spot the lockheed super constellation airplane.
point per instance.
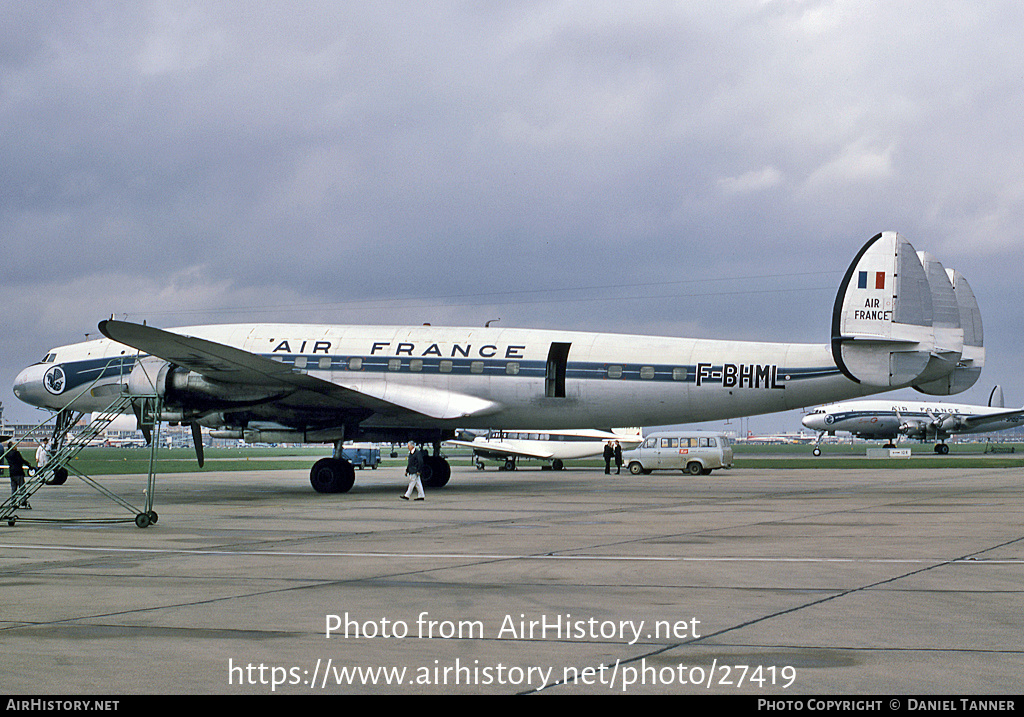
(922, 420)
(899, 320)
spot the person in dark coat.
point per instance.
(16, 465)
(609, 453)
(618, 458)
(412, 471)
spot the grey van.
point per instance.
(692, 452)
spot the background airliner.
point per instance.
(899, 319)
(556, 447)
(922, 420)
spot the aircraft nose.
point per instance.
(28, 387)
(812, 421)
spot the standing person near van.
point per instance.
(609, 453)
(412, 471)
(618, 458)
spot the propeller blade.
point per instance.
(147, 430)
(197, 441)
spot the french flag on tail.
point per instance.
(862, 279)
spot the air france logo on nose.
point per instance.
(55, 380)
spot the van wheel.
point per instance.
(693, 468)
(636, 469)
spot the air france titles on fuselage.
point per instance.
(411, 349)
(407, 349)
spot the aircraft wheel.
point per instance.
(332, 475)
(436, 472)
(557, 464)
(941, 448)
(816, 451)
(510, 465)
(60, 476)
(142, 520)
(694, 468)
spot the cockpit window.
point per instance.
(49, 358)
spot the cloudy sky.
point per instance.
(682, 168)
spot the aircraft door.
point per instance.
(554, 377)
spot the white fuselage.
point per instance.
(506, 377)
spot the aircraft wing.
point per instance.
(227, 364)
(499, 448)
(977, 421)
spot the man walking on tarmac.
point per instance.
(412, 471)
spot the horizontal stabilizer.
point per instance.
(882, 322)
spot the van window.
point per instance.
(708, 443)
(669, 442)
(650, 443)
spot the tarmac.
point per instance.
(776, 583)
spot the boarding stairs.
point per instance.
(68, 445)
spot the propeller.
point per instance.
(907, 427)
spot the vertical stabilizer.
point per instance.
(995, 398)
(972, 358)
(882, 322)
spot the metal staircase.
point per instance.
(68, 445)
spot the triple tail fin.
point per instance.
(899, 320)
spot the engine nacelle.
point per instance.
(913, 429)
(186, 389)
(149, 377)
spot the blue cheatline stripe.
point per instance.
(81, 372)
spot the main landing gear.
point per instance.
(337, 475)
(332, 475)
(941, 448)
(436, 471)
